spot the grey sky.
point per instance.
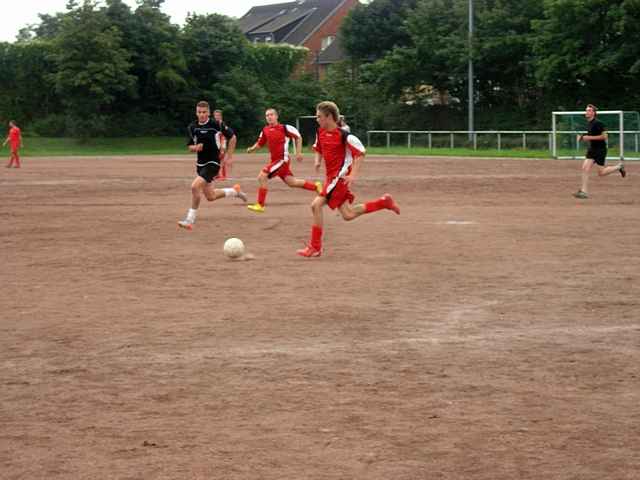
(24, 12)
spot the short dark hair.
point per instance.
(203, 104)
(271, 109)
(217, 110)
(593, 107)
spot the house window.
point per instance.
(326, 41)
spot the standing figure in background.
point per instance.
(15, 143)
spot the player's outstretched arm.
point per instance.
(298, 146)
(355, 170)
(231, 148)
(317, 161)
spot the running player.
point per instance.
(227, 164)
(15, 142)
(597, 151)
(277, 136)
(343, 153)
(208, 143)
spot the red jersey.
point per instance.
(338, 153)
(277, 137)
(14, 136)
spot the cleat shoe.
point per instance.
(318, 187)
(390, 204)
(241, 195)
(256, 207)
(187, 224)
(581, 194)
(309, 252)
(623, 172)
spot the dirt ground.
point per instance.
(491, 331)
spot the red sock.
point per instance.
(309, 186)
(316, 237)
(262, 195)
(374, 206)
(17, 161)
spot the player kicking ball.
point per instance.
(277, 137)
(208, 143)
(343, 154)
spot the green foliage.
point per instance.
(92, 69)
(105, 68)
(372, 30)
(587, 50)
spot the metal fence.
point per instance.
(496, 139)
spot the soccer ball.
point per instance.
(234, 248)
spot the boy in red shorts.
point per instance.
(343, 154)
(15, 142)
(277, 136)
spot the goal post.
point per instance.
(623, 128)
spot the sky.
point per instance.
(24, 12)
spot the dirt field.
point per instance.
(491, 331)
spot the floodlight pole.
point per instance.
(470, 101)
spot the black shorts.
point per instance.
(208, 171)
(599, 156)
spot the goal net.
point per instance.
(623, 129)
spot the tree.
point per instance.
(369, 31)
(212, 45)
(92, 68)
(586, 51)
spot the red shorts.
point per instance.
(278, 169)
(338, 193)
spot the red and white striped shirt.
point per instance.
(338, 154)
(277, 137)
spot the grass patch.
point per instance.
(38, 147)
(41, 147)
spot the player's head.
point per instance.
(591, 112)
(202, 111)
(271, 115)
(217, 115)
(12, 123)
(327, 114)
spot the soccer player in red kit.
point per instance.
(277, 136)
(343, 154)
(15, 142)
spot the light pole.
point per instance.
(470, 86)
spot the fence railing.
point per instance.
(502, 139)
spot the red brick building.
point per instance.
(313, 24)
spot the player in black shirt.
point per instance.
(596, 139)
(227, 164)
(208, 142)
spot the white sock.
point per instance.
(229, 192)
(191, 214)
